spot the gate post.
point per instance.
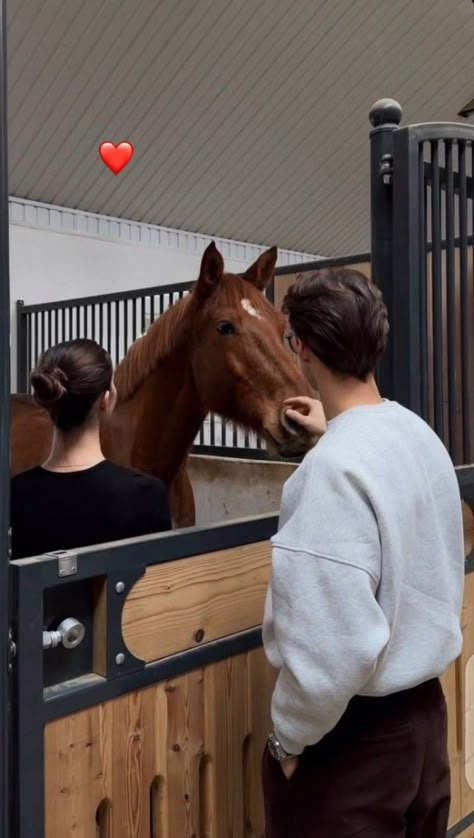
(6, 783)
(385, 116)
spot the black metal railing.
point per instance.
(422, 180)
(116, 321)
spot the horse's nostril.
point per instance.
(292, 428)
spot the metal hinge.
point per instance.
(11, 650)
(67, 562)
(386, 169)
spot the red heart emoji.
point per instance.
(116, 157)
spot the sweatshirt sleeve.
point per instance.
(327, 631)
(323, 627)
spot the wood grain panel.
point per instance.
(218, 594)
(169, 761)
(451, 685)
(466, 693)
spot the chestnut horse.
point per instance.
(220, 349)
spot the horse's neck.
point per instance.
(154, 430)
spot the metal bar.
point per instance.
(408, 250)
(101, 323)
(134, 319)
(125, 327)
(445, 176)
(71, 329)
(212, 429)
(109, 329)
(465, 317)
(21, 348)
(437, 299)
(56, 326)
(451, 303)
(109, 298)
(143, 315)
(117, 331)
(385, 117)
(6, 785)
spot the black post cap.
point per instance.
(385, 112)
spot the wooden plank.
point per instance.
(450, 684)
(466, 694)
(180, 604)
(468, 523)
(261, 678)
(74, 777)
(184, 754)
(226, 732)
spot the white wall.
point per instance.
(57, 253)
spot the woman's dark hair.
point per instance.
(68, 380)
(340, 315)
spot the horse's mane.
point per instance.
(156, 345)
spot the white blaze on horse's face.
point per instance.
(247, 305)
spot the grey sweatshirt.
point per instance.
(368, 570)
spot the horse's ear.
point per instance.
(210, 274)
(261, 272)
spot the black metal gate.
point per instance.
(422, 180)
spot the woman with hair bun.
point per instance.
(77, 497)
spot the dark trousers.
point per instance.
(382, 772)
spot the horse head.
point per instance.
(241, 367)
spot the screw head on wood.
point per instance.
(119, 659)
(199, 635)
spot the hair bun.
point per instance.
(49, 385)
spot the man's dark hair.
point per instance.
(340, 315)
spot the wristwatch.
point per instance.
(276, 749)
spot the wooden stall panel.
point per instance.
(176, 760)
(466, 694)
(451, 685)
(181, 604)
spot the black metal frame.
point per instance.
(5, 597)
(123, 561)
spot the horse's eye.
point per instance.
(226, 329)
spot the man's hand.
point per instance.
(308, 413)
(289, 766)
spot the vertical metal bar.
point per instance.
(6, 784)
(21, 348)
(408, 249)
(101, 323)
(437, 297)
(464, 302)
(134, 319)
(63, 324)
(37, 350)
(78, 322)
(43, 331)
(385, 116)
(143, 315)
(117, 332)
(71, 329)
(109, 330)
(223, 431)
(451, 302)
(213, 429)
(49, 317)
(152, 309)
(423, 293)
(56, 326)
(125, 327)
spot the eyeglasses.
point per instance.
(293, 343)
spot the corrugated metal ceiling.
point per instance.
(249, 119)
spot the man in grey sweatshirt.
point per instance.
(363, 608)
